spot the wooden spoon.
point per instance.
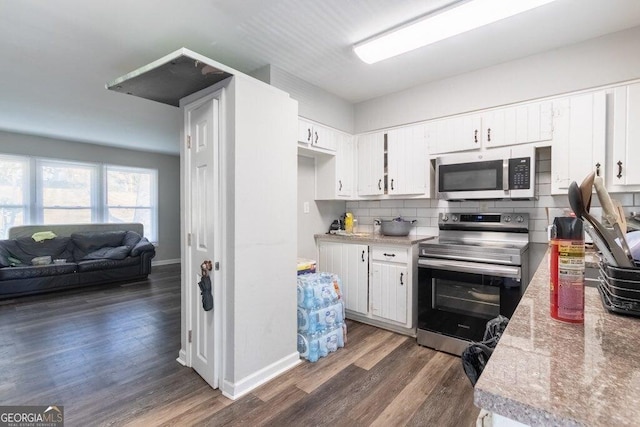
(586, 188)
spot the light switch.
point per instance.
(305, 207)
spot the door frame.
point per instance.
(190, 289)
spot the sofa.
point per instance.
(46, 258)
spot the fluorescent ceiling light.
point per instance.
(432, 28)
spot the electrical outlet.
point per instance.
(305, 207)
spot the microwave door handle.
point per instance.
(505, 174)
(471, 267)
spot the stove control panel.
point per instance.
(493, 221)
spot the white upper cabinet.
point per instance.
(518, 125)
(314, 135)
(579, 139)
(408, 164)
(623, 166)
(460, 133)
(370, 149)
(335, 171)
(345, 165)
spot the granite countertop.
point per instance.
(374, 238)
(547, 372)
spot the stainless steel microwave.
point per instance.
(507, 173)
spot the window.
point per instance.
(130, 196)
(66, 193)
(14, 192)
(45, 191)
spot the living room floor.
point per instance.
(108, 355)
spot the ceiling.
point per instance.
(58, 55)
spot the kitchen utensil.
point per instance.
(586, 188)
(621, 216)
(611, 214)
(396, 226)
(613, 254)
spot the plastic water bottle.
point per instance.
(314, 348)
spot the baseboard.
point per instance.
(182, 358)
(236, 390)
(166, 262)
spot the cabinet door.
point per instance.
(345, 163)
(350, 262)
(456, 134)
(407, 160)
(324, 138)
(626, 136)
(305, 131)
(579, 140)
(370, 155)
(518, 125)
(389, 284)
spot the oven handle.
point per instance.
(471, 267)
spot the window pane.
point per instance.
(126, 188)
(66, 216)
(13, 175)
(142, 215)
(66, 185)
(10, 217)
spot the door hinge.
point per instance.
(188, 141)
(189, 239)
(189, 336)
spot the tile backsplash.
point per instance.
(541, 211)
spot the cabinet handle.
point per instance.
(339, 185)
(309, 135)
(379, 184)
(362, 256)
(489, 135)
(475, 136)
(401, 282)
(316, 137)
(619, 169)
(391, 255)
(392, 184)
(598, 169)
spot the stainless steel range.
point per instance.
(476, 269)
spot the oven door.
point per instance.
(457, 298)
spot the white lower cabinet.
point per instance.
(351, 263)
(390, 284)
(379, 282)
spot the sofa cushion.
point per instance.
(8, 273)
(104, 264)
(131, 238)
(143, 246)
(121, 252)
(22, 250)
(85, 243)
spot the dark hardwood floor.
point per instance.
(108, 355)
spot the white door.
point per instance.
(203, 129)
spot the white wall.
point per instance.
(261, 245)
(609, 59)
(314, 103)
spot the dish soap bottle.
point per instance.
(348, 222)
(567, 270)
